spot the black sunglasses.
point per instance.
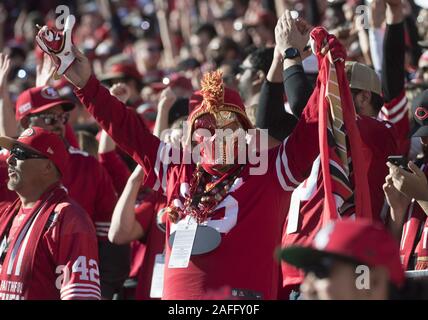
(23, 154)
(52, 119)
(322, 269)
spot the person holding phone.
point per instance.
(406, 192)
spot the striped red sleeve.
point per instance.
(396, 112)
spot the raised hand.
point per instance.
(291, 33)
(79, 71)
(396, 200)
(121, 91)
(167, 98)
(44, 71)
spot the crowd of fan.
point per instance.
(152, 55)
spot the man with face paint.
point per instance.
(222, 202)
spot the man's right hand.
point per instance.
(79, 71)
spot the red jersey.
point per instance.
(397, 113)
(65, 261)
(153, 241)
(308, 199)
(249, 219)
(90, 185)
(116, 168)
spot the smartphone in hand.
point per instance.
(399, 161)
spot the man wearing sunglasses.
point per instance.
(349, 259)
(85, 179)
(44, 235)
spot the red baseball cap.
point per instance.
(174, 80)
(359, 241)
(43, 142)
(122, 70)
(38, 99)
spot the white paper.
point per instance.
(183, 243)
(156, 288)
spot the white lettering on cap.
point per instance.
(24, 108)
(27, 133)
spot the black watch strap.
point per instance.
(291, 53)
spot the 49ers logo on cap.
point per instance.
(49, 93)
(27, 133)
(421, 113)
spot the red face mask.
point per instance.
(217, 148)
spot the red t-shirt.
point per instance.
(116, 168)
(250, 218)
(90, 185)
(66, 258)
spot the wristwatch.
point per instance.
(291, 53)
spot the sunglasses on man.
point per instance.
(52, 119)
(20, 153)
(323, 268)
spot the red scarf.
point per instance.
(338, 184)
(19, 260)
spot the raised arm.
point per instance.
(123, 124)
(166, 101)
(107, 155)
(271, 114)
(124, 226)
(393, 51)
(395, 108)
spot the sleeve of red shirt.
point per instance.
(128, 130)
(71, 137)
(396, 112)
(75, 254)
(116, 168)
(296, 154)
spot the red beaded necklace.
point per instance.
(205, 193)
